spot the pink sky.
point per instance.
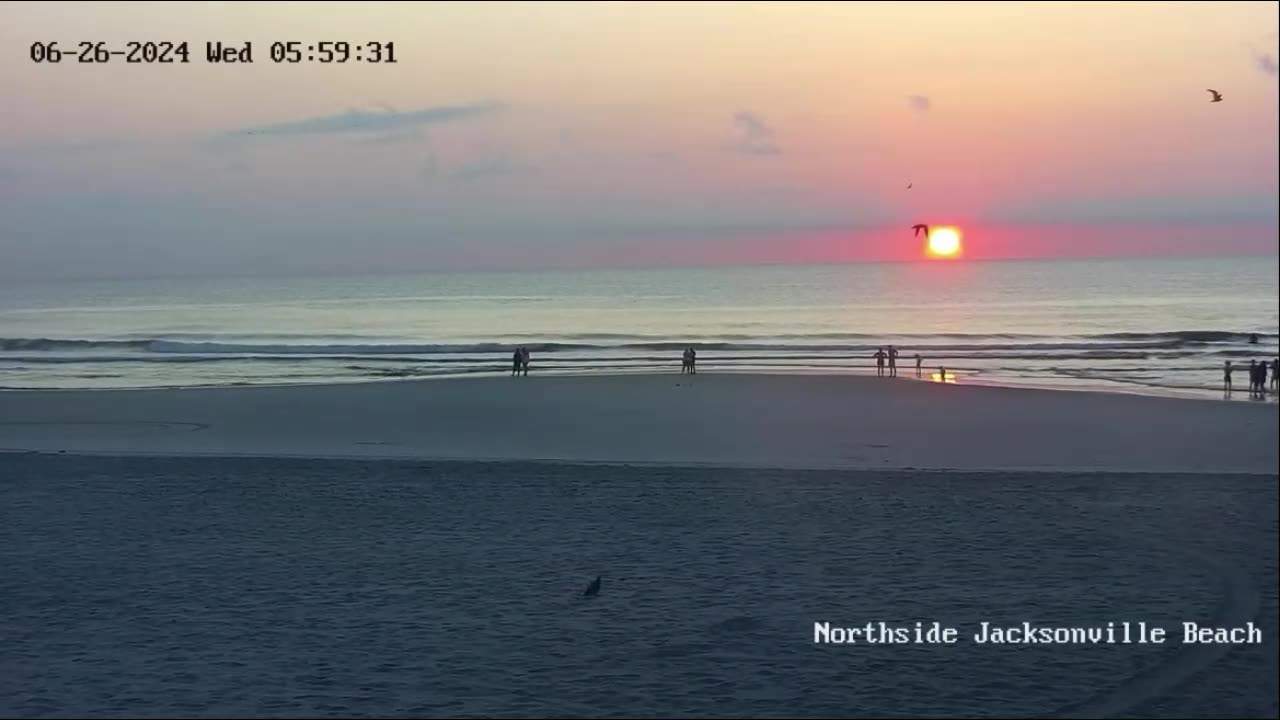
(560, 134)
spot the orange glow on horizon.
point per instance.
(945, 243)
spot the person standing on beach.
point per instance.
(516, 362)
(1275, 365)
(693, 361)
(684, 362)
(1253, 377)
(1226, 377)
(524, 360)
(879, 362)
(919, 362)
(893, 361)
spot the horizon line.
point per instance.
(647, 267)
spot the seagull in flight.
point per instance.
(1217, 96)
(920, 227)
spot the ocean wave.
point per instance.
(1190, 336)
(855, 343)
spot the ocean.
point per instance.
(1162, 326)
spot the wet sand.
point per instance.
(780, 421)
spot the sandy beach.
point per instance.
(781, 421)
(254, 587)
(338, 551)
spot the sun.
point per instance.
(944, 242)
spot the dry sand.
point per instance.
(783, 421)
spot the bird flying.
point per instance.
(1217, 96)
(920, 227)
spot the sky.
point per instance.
(566, 135)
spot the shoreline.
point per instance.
(717, 420)
(970, 379)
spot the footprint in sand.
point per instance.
(1240, 605)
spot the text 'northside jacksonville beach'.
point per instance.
(1026, 633)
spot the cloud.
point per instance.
(395, 137)
(490, 167)
(356, 121)
(919, 103)
(430, 168)
(1156, 208)
(757, 137)
(1266, 62)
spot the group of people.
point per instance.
(520, 361)
(891, 357)
(690, 363)
(1257, 377)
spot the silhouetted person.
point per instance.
(942, 374)
(919, 362)
(1275, 366)
(893, 361)
(1253, 376)
(693, 361)
(1226, 377)
(517, 360)
(524, 361)
(880, 355)
(684, 362)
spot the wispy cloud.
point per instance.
(919, 103)
(490, 167)
(757, 137)
(1266, 62)
(358, 121)
(395, 137)
(430, 168)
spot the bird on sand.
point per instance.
(1217, 96)
(920, 227)
(593, 589)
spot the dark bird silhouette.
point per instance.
(1217, 96)
(909, 185)
(920, 227)
(593, 589)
